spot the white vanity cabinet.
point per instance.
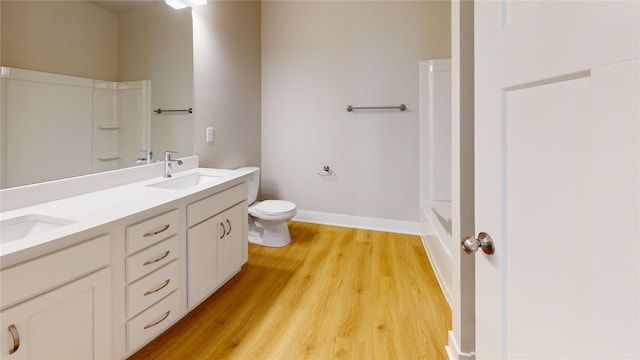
(216, 241)
(137, 259)
(71, 318)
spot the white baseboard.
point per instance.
(453, 350)
(395, 226)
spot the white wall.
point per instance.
(226, 53)
(317, 58)
(63, 37)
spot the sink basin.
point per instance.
(23, 226)
(186, 181)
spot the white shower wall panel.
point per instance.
(134, 113)
(435, 130)
(42, 144)
(440, 131)
(104, 114)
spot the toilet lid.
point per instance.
(275, 207)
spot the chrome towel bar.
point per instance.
(160, 111)
(402, 107)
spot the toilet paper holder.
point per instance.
(326, 171)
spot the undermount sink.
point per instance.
(186, 181)
(23, 226)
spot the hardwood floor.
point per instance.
(333, 293)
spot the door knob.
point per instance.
(484, 241)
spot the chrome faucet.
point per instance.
(148, 157)
(167, 162)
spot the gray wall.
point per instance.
(226, 67)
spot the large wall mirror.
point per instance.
(80, 83)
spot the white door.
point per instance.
(557, 149)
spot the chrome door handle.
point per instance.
(484, 242)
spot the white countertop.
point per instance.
(101, 207)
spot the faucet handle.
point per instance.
(167, 155)
(148, 157)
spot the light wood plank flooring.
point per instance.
(333, 293)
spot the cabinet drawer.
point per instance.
(207, 207)
(150, 231)
(42, 274)
(150, 259)
(148, 290)
(153, 321)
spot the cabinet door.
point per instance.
(202, 252)
(69, 322)
(233, 245)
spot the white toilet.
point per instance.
(267, 219)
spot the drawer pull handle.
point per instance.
(149, 262)
(16, 338)
(158, 289)
(229, 231)
(224, 230)
(157, 231)
(166, 315)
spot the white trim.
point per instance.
(440, 260)
(453, 350)
(395, 226)
(44, 77)
(428, 211)
(438, 253)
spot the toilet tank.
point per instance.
(254, 182)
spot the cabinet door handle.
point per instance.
(149, 262)
(158, 289)
(224, 230)
(164, 228)
(228, 232)
(13, 330)
(166, 315)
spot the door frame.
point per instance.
(462, 336)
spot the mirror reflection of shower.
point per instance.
(87, 65)
(435, 144)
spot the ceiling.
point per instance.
(119, 6)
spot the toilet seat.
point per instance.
(274, 207)
(273, 210)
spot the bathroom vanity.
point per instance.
(102, 264)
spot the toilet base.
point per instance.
(271, 235)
